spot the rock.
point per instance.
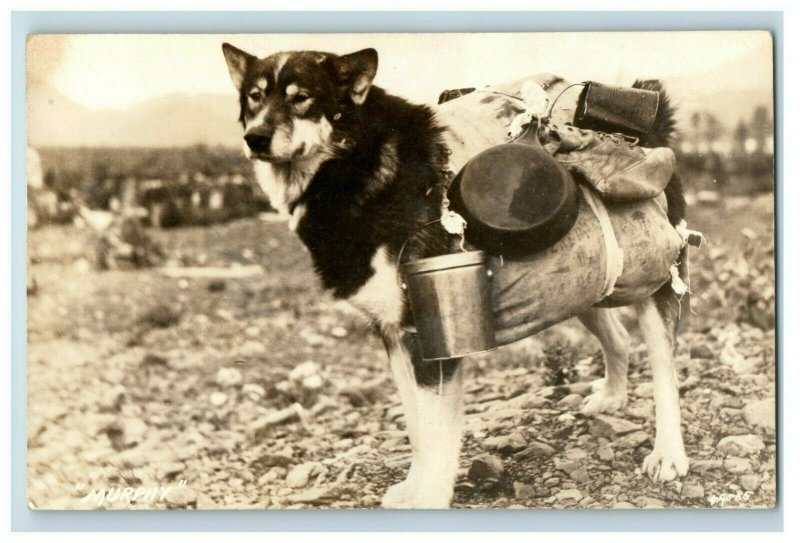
(644, 390)
(610, 491)
(737, 465)
(610, 427)
(701, 351)
(527, 400)
(507, 444)
(747, 366)
(111, 399)
(253, 391)
(693, 491)
(252, 331)
(580, 475)
(181, 497)
(216, 285)
(703, 466)
(569, 495)
(760, 413)
(126, 432)
(228, 377)
(730, 355)
(153, 361)
(298, 476)
(552, 481)
(312, 382)
(623, 505)
(750, 482)
(535, 450)
(652, 503)
(740, 445)
(567, 466)
(273, 460)
(218, 399)
(465, 486)
(160, 316)
(485, 466)
(571, 401)
(339, 332)
(632, 440)
(169, 470)
(606, 453)
(641, 409)
(314, 496)
(251, 348)
(261, 425)
(575, 454)
(303, 371)
(523, 491)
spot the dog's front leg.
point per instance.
(401, 495)
(612, 391)
(658, 322)
(432, 401)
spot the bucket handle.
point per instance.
(490, 273)
(405, 243)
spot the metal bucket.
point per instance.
(450, 297)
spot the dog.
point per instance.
(358, 171)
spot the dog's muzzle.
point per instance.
(258, 142)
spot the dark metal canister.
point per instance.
(450, 299)
(607, 108)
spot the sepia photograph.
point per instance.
(401, 271)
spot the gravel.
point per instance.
(308, 403)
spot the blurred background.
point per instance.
(151, 119)
(176, 330)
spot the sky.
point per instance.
(119, 71)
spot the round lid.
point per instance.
(513, 188)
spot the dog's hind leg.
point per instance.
(658, 321)
(435, 432)
(612, 393)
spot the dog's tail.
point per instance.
(663, 130)
(662, 135)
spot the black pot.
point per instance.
(516, 198)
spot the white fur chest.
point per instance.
(381, 297)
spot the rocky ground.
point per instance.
(259, 392)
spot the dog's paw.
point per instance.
(664, 465)
(433, 497)
(399, 496)
(604, 402)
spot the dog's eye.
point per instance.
(255, 96)
(300, 97)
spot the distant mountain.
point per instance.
(730, 91)
(174, 120)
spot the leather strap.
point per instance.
(614, 254)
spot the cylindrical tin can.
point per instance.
(450, 297)
(608, 108)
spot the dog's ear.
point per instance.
(355, 72)
(238, 62)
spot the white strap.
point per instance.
(614, 254)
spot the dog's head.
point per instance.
(291, 102)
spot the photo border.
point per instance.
(23, 519)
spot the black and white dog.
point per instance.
(357, 170)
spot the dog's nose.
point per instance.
(258, 143)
